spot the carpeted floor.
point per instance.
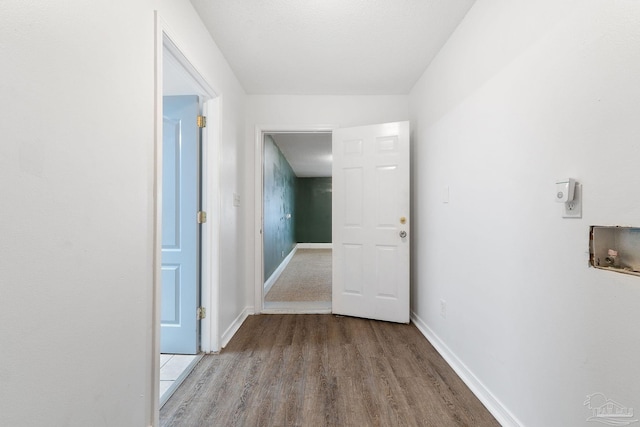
(306, 278)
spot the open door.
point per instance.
(180, 228)
(371, 222)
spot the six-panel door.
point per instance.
(371, 222)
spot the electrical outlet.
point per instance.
(573, 208)
(443, 309)
(282, 254)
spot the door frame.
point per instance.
(211, 203)
(260, 131)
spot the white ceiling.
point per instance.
(327, 47)
(309, 154)
(330, 46)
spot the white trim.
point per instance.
(258, 281)
(154, 393)
(235, 325)
(211, 203)
(209, 264)
(268, 284)
(169, 41)
(495, 407)
(260, 130)
(314, 246)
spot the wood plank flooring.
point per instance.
(324, 370)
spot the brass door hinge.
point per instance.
(202, 217)
(202, 313)
(202, 122)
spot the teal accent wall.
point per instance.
(279, 201)
(313, 210)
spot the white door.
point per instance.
(180, 229)
(371, 222)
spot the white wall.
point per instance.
(290, 111)
(76, 217)
(523, 94)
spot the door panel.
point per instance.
(170, 294)
(370, 210)
(180, 230)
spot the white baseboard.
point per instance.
(235, 325)
(497, 409)
(314, 246)
(268, 284)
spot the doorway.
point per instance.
(293, 193)
(370, 215)
(179, 83)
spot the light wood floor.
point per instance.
(324, 370)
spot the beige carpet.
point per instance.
(306, 278)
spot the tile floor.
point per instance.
(174, 368)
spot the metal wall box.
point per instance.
(615, 248)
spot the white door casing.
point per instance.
(167, 48)
(260, 131)
(371, 197)
(179, 77)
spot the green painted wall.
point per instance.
(306, 200)
(279, 195)
(313, 210)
